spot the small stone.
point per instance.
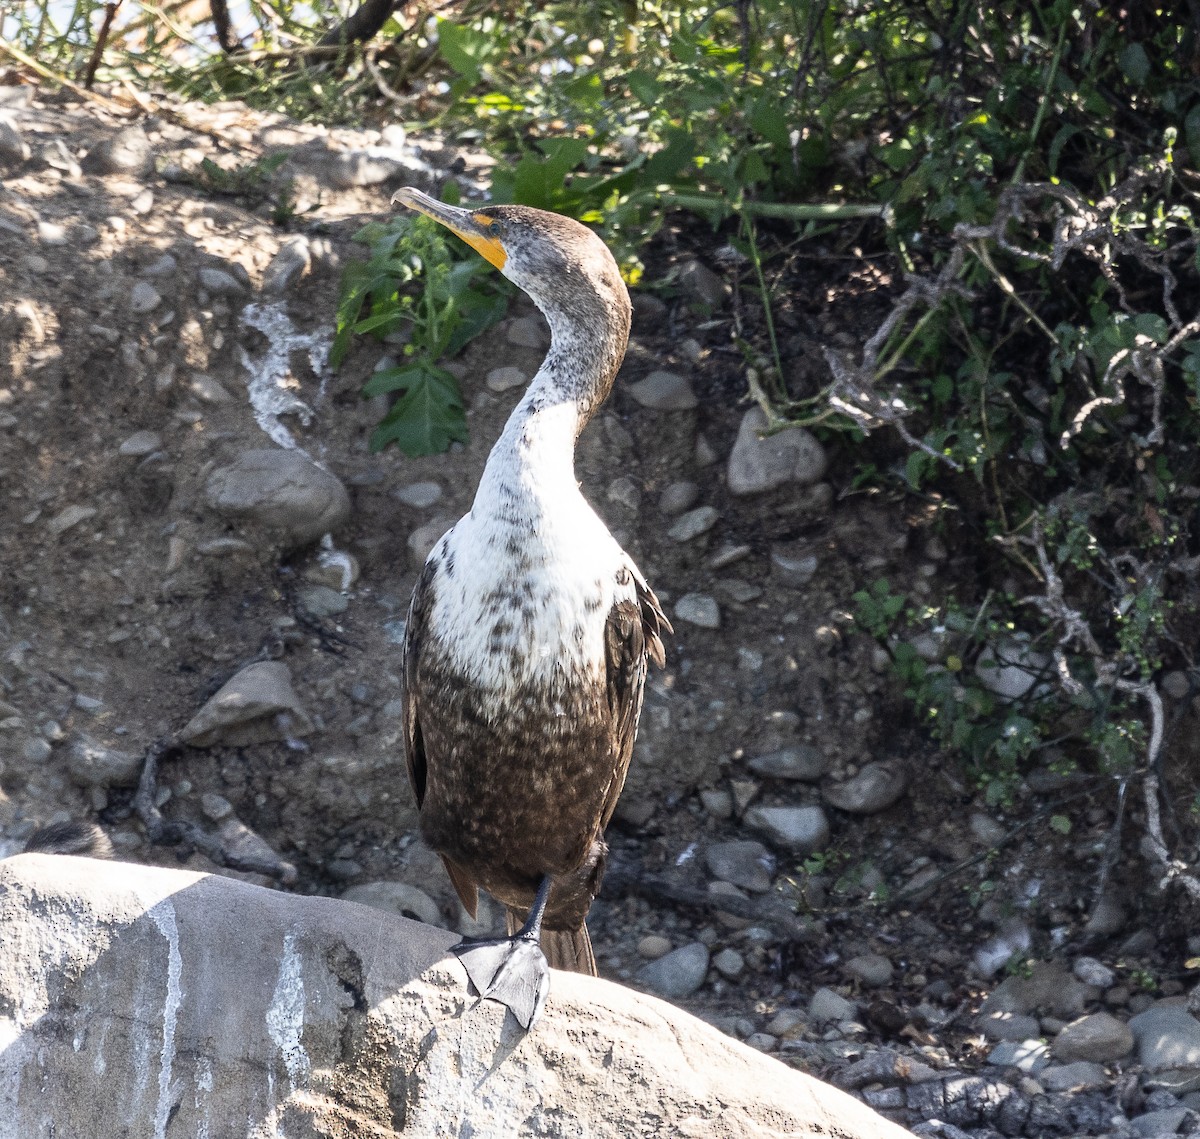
(653, 946)
(51, 233)
(287, 266)
(1080, 1076)
(89, 704)
(699, 283)
(802, 762)
(282, 491)
(793, 563)
(257, 705)
(728, 554)
(140, 444)
(872, 969)
(664, 391)
(423, 539)
(92, 764)
(649, 312)
(1167, 1036)
(144, 298)
(876, 787)
(321, 602)
(1092, 972)
(501, 379)
(207, 389)
(717, 802)
(1009, 1026)
(826, 1006)
(799, 830)
(35, 750)
(1011, 669)
(1098, 1037)
(128, 151)
(164, 266)
(13, 148)
(70, 516)
(1160, 1124)
(986, 830)
(694, 523)
(760, 463)
(762, 1041)
(221, 284)
(215, 807)
(528, 332)
(744, 863)
(677, 974)
(699, 609)
(419, 495)
(625, 492)
(787, 1024)
(1176, 685)
(678, 497)
(1027, 1055)
(730, 964)
(397, 898)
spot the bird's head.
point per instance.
(563, 266)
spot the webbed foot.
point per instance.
(511, 970)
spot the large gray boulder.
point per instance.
(150, 1002)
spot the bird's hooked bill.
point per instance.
(470, 225)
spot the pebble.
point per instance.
(128, 151)
(986, 830)
(144, 298)
(625, 492)
(1009, 1026)
(799, 830)
(826, 1006)
(501, 379)
(761, 463)
(717, 802)
(287, 266)
(699, 609)
(93, 764)
(678, 497)
(730, 964)
(85, 703)
(872, 969)
(35, 750)
(1092, 972)
(256, 705)
(653, 946)
(51, 233)
(419, 495)
(140, 444)
(1011, 669)
(876, 787)
(762, 1041)
(677, 974)
(787, 1023)
(1082, 1075)
(728, 554)
(1027, 1055)
(321, 601)
(283, 492)
(802, 762)
(694, 523)
(649, 312)
(13, 148)
(422, 540)
(1160, 1124)
(792, 563)
(699, 283)
(215, 807)
(744, 863)
(397, 898)
(221, 284)
(164, 266)
(528, 332)
(664, 391)
(1167, 1036)
(68, 517)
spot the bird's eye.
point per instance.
(484, 221)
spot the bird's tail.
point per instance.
(569, 949)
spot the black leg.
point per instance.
(512, 970)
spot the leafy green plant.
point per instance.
(415, 284)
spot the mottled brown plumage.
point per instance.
(530, 629)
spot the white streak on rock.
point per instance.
(163, 916)
(285, 1014)
(268, 383)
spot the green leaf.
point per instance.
(463, 48)
(426, 419)
(767, 117)
(1060, 824)
(1135, 64)
(392, 380)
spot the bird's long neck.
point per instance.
(535, 453)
